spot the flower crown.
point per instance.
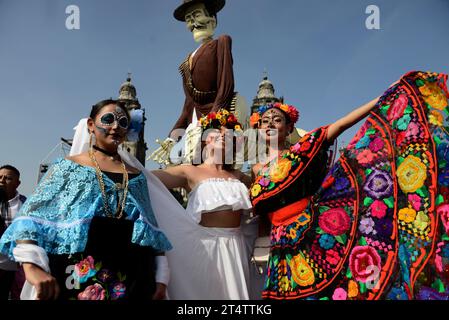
(291, 112)
(221, 118)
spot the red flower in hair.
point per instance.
(231, 118)
(293, 113)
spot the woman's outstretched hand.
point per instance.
(46, 285)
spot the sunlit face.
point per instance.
(273, 125)
(9, 181)
(110, 126)
(215, 138)
(219, 144)
(200, 23)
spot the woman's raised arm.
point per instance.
(173, 177)
(339, 126)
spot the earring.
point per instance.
(90, 140)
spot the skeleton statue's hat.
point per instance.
(212, 6)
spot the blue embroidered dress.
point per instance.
(91, 255)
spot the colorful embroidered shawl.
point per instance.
(378, 227)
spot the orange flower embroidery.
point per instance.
(407, 215)
(302, 273)
(280, 170)
(433, 95)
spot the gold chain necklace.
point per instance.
(123, 185)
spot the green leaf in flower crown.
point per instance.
(271, 185)
(437, 139)
(445, 237)
(319, 230)
(389, 202)
(399, 160)
(367, 201)
(368, 171)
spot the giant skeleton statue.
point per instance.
(208, 82)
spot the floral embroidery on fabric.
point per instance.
(372, 231)
(96, 282)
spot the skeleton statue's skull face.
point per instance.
(200, 23)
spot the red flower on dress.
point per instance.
(376, 145)
(363, 262)
(365, 157)
(93, 292)
(378, 209)
(334, 221)
(397, 109)
(232, 118)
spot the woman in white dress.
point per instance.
(209, 259)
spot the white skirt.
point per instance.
(209, 264)
(205, 263)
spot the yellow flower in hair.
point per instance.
(284, 108)
(218, 116)
(225, 112)
(237, 127)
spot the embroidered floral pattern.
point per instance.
(84, 270)
(411, 174)
(334, 221)
(97, 283)
(372, 224)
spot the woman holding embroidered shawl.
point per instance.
(89, 231)
(375, 224)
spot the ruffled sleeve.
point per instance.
(56, 214)
(146, 230)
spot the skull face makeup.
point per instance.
(109, 118)
(200, 23)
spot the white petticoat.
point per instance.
(205, 263)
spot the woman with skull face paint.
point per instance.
(89, 231)
(366, 227)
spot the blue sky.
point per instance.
(318, 54)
